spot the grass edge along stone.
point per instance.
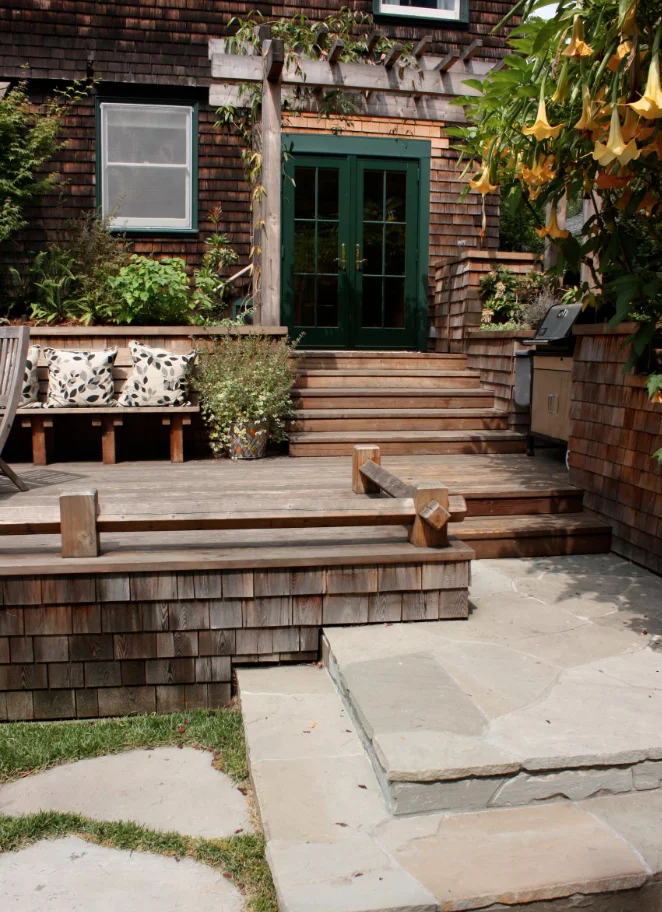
(240, 858)
(31, 747)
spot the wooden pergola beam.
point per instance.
(336, 51)
(432, 79)
(393, 56)
(373, 40)
(472, 49)
(423, 46)
(274, 60)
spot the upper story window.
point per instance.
(147, 165)
(454, 10)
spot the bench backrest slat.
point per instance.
(14, 342)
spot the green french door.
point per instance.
(350, 251)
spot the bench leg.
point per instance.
(42, 430)
(177, 438)
(108, 443)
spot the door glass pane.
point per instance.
(329, 180)
(304, 247)
(316, 246)
(304, 193)
(373, 240)
(327, 301)
(396, 236)
(394, 303)
(327, 247)
(396, 196)
(373, 196)
(304, 300)
(384, 251)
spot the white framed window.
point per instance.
(454, 10)
(146, 169)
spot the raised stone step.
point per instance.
(548, 692)
(333, 846)
(396, 443)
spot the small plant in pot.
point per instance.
(244, 383)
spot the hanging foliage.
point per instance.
(576, 110)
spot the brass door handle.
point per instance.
(359, 261)
(342, 259)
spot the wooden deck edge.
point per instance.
(18, 565)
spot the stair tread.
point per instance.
(476, 527)
(382, 391)
(402, 413)
(370, 436)
(385, 372)
(390, 353)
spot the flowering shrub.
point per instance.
(245, 380)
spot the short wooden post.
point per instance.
(108, 441)
(78, 524)
(422, 534)
(41, 429)
(360, 456)
(177, 438)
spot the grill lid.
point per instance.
(557, 325)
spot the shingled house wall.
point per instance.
(160, 47)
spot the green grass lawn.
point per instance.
(28, 747)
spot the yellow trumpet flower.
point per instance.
(650, 104)
(481, 183)
(616, 148)
(577, 46)
(541, 128)
(552, 230)
(586, 121)
(622, 51)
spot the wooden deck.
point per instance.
(516, 505)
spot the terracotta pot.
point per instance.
(248, 440)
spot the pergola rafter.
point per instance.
(382, 89)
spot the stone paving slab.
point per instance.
(550, 680)
(165, 789)
(333, 846)
(70, 875)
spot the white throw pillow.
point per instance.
(30, 390)
(80, 379)
(158, 378)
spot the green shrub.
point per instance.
(151, 291)
(245, 380)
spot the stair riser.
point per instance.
(401, 424)
(361, 381)
(547, 546)
(311, 363)
(398, 402)
(410, 448)
(522, 506)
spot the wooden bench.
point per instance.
(41, 421)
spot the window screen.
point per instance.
(431, 9)
(146, 155)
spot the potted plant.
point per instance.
(245, 383)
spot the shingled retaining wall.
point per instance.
(114, 644)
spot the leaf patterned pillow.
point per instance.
(158, 378)
(30, 389)
(80, 379)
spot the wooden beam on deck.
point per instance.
(78, 524)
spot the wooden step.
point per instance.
(375, 379)
(520, 502)
(399, 443)
(534, 536)
(361, 398)
(312, 420)
(380, 360)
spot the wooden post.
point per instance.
(41, 429)
(274, 59)
(360, 456)
(177, 438)
(108, 440)
(78, 524)
(422, 534)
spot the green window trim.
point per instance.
(420, 149)
(422, 15)
(194, 230)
